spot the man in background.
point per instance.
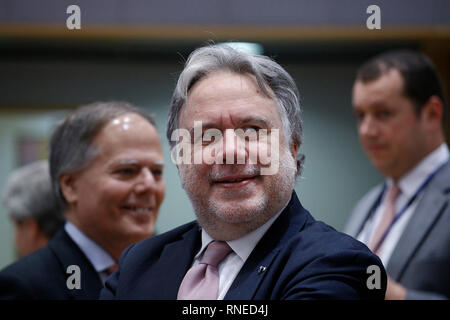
(106, 166)
(400, 108)
(32, 207)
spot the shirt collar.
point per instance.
(100, 259)
(410, 182)
(243, 246)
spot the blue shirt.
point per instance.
(97, 256)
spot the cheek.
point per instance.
(108, 193)
(269, 148)
(161, 193)
(195, 171)
(116, 191)
(399, 136)
(194, 177)
(210, 154)
(255, 149)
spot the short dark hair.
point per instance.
(421, 80)
(71, 147)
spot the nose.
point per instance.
(368, 127)
(146, 181)
(234, 147)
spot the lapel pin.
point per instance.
(261, 269)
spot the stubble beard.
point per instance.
(229, 220)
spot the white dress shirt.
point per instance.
(242, 248)
(409, 184)
(99, 258)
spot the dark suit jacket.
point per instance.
(421, 259)
(43, 274)
(304, 259)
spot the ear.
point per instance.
(179, 169)
(33, 229)
(67, 183)
(433, 112)
(294, 150)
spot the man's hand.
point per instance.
(395, 291)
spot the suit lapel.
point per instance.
(68, 253)
(363, 211)
(175, 260)
(428, 210)
(249, 278)
(255, 268)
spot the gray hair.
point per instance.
(71, 144)
(28, 194)
(268, 74)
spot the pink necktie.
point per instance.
(201, 282)
(386, 219)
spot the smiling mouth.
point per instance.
(375, 149)
(234, 182)
(138, 209)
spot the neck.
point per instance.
(110, 245)
(431, 147)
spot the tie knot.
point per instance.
(215, 253)
(394, 192)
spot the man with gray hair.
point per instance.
(252, 238)
(32, 207)
(106, 167)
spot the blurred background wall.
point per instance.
(133, 50)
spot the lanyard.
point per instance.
(408, 204)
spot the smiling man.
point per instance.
(106, 166)
(400, 109)
(252, 238)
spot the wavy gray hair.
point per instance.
(28, 194)
(268, 74)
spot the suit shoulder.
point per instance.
(331, 262)
(169, 236)
(27, 277)
(325, 238)
(319, 242)
(43, 260)
(153, 245)
(320, 238)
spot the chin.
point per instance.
(238, 212)
(140, 233)
(380, 164)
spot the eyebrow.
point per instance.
(135, 162)
(208, 125)
(255, 119)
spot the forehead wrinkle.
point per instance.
(205, 91)
(125, 162)
(136, 162)
(235, 118)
